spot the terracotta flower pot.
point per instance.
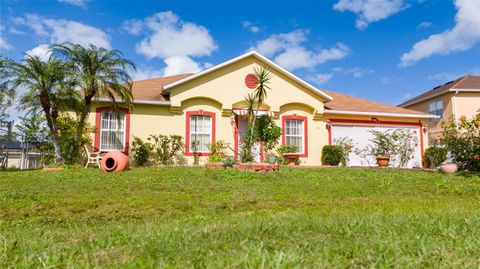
(449, 167)
(383, 161)
(291, 157)
(477, 123)
(114, 161)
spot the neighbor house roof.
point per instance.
(465, 83)
(346, 104)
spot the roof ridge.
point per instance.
(461, 79)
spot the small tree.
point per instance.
(462, 139)
(268, 133)
(48, 90)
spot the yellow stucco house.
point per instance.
(452, 100)
(208, 106)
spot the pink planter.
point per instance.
(449, 167)
(114, 161)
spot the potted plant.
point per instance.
(384, 147)
(288, 155)
(449, 167)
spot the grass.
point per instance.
(196, 217)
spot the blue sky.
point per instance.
(384, 50)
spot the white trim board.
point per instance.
(386, 114)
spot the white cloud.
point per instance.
(449, 76)
(250, 26)
(174, 41)
(287, 50)
(320, 78)
(3, 42)
(424, 25)
(358, 72)
(463, 36)
(169, 36)
(145, 73)
(369, 11)
(78, 3)
(59, 31)
(405, 97)
(42, 51)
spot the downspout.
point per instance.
(454, 106)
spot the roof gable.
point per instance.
(260, 57)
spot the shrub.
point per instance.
(434, 156)
(141, 151)
(462, 140)
(166, 149)
(228, 163)
(217, 151)
(332, 155)
(268, 133)
(345, 145)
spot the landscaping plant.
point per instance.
(286, 149)
(166, 149)
(217, 151)
(268, 133)
(332, 155)
(462, 140)
(345, 145)
(434, 156)
(141, 151)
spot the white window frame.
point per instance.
(124, 125)
(301, 134)
(435, 106)
(193, 133)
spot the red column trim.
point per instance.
(187, 130)
(235, 139)
(305, 131)
(98, 111)
(379, 122)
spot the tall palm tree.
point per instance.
(48, 90)
(263, 79)
(98, 72)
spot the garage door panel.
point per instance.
(361, 137)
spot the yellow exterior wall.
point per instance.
(222, 90)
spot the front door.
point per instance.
(242, 132)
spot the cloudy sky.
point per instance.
(384, 50)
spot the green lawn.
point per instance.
(196, 217)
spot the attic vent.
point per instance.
(448, 82)
(437, 87)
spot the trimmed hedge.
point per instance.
(332, 155)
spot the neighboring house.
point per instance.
(460, 97)
(209, 106)
(17, 154)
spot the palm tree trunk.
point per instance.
(79, 132)
(52, 125)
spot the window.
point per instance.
(201, 131)
(295, 133)
(112, 131)
(436, 108)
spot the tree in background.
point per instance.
(97, 72)
(48, 90)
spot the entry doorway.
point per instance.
(242, 132)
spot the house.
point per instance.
(460, 97)
(208, 106)
(17, 154)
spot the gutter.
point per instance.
(345, 112)
(146, 102)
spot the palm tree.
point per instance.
(98, 72)
(263, 79)
(48, 90)
(250, 104)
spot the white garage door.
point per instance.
(361, 138)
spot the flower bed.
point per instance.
(261, 167)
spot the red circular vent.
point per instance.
(251, 81)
